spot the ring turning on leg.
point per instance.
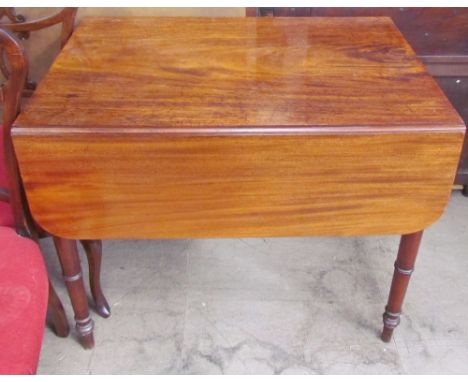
(71, 267)
(404, 265)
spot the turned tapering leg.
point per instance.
(93, 249)
(71, 267)
(404, 265)
(57, 313)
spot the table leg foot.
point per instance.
(71, 267)
(84, 329)
(387, 334)
(391, 321)
(404, 265)
(93, 249)
(87, 341)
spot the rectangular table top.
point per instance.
(230, 73)
(236, 127)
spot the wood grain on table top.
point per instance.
(240, 73)
(184, 127)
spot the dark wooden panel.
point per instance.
(430, 31)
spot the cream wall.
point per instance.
(43, 45)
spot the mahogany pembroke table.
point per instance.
(165, 128)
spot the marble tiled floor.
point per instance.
(288, 305)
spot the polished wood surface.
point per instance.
(233, 72)
(153, 186)
(237, 127)
(437, 35)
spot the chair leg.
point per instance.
(93, 249)
(465, 190)
(71, 267)
(57, 313)
(404, 265)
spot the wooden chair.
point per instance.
(92, 248)
(23, 28)
(25, 291)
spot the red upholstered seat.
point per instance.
(23, 303)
